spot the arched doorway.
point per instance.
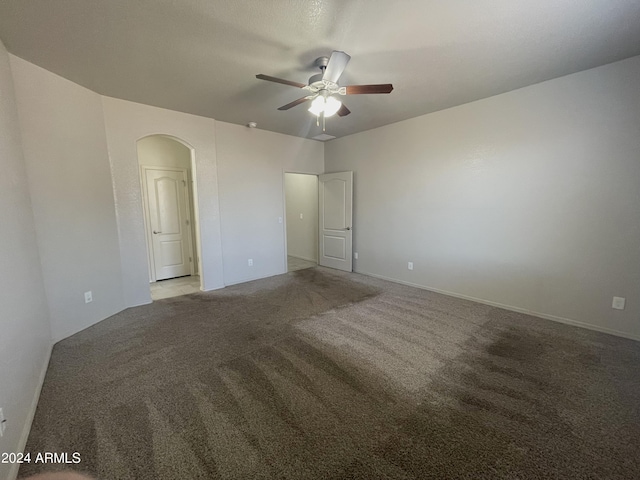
(167, 174)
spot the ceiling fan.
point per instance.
(324, 86)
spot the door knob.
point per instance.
(156, 232)
(348, 228)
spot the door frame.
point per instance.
(147, 222)
(284, 212)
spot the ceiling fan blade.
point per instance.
(335, 67)
(344, 111)
(358, 89)
(296, 102)
(280, 80)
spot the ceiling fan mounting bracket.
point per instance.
(321, 62)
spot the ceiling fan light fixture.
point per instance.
(331, 106)
(317, 106)
(328, 106)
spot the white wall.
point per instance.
(528, 199)
(301, 198)
(25, 341)
(126, 123)
(251, 166)
(81, 154)
(69, 179)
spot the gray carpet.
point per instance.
(323, 374)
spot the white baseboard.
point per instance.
(211, 289)
(303, 258)
(24, 436)
(251, 279)
(128, 306)
(568, 321)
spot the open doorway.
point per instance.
(301, 204)
(167, 173)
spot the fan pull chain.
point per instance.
(323, 122)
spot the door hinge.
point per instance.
(187, 220)
(184, 182)
(190, 260)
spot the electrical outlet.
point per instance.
(88, 297)
(301, 216)
(618, 303)
(355, 255)
(410, 265)
(3, 423)
(250, 262)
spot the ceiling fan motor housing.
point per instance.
(317, 84)
(315, 78)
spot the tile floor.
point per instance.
(174, 287)
(294, 263)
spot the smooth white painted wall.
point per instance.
(529, 199)
(126, 123)
(25, 341)
(251, 166)
(69, 179)
(301, 198)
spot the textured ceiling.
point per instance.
(201, 56)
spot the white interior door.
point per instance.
(169, 222)
(335, 195)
